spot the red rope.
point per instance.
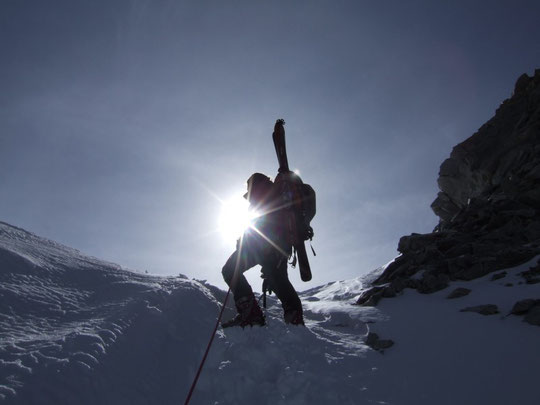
(207, 350)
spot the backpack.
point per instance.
(299, 200)
(309, 209)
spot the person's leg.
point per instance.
(249, 312)
(233, 273)
(275, 271)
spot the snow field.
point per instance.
(274, 364)
(77, 330)
(447, 357)
(74, 329)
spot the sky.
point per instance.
(125, 124)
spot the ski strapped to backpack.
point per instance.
(299, 201)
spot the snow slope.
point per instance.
(77, 330)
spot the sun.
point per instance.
(234, 218)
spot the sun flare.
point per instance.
(234, 218)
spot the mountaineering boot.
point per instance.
(249, 313)
(294, 317)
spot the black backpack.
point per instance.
(309, 209)
(299, 200)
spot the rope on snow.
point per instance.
(207, 350)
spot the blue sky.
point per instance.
(120, 122)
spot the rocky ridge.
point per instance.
(488, 206)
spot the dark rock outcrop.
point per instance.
(373, 341)
(498, 276)
(498, 161)
(523, 306)
(488, 204)
(371, 297)
(458, 293)
(533, 316)
(530, 308)
(487, 309)
(532, 276)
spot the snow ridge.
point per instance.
(71, 325)
(75, 329)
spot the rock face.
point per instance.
(488, 204)
(498, 162)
